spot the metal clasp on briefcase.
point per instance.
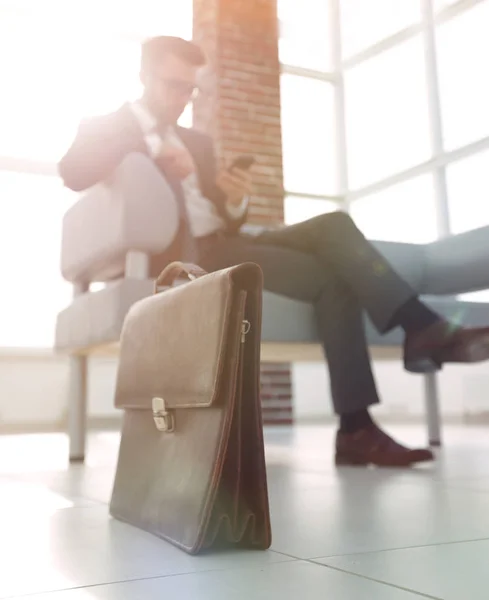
(163, 419)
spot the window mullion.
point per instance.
(435, 118)
(339, 102)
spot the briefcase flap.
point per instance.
(173, 344)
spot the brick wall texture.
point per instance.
(240, 108)
(240, 105)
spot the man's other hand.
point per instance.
(176, 161)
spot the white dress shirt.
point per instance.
(202, 213)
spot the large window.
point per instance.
(308, 135)
(416, 103)
(304, 40)
(309, 126)
(463, 48)
(401, 213)
(301, 208)
(44, 94)
(31, 209)
(404, 105)
(468, 192)
(60, 60)
(365, 23)
(387, 115)
(439, 5)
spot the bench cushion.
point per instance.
(96, 318)
(287, 320)
(458, 264)
(407, 259)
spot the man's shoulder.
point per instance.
(121, 114)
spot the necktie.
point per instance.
(188, 246)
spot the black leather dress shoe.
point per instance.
(372, 446)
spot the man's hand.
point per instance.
(236, 184)
(176, 161)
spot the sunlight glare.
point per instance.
(63, 61)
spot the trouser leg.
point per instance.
(339, 315)
(339, 245)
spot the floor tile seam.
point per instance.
(397, 549)
(150, 578)
(379, 581)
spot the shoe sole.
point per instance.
(463, 353)
(342, 460)
(473, 353)
(422, 366)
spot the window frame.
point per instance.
(441, 158)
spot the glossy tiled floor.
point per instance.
(349, 534)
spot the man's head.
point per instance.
(169, 68)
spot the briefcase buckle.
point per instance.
(163, 419)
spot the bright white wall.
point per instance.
(33, 392)
(34, 389)
(464, 392)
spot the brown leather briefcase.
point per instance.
(191, 465)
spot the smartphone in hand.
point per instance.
(243, 162)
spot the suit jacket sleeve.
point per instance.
(100, 145)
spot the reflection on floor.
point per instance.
(349, 534)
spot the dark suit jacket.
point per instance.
(102, 143)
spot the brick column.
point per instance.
(240, 108)
(241, 103)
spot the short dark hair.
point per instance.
(154, 49)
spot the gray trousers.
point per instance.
(328, 262)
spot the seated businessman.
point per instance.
(325, 261)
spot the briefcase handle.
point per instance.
(174, 270)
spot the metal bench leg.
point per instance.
(77, 397)
(77, 411)
(137, 265)
(432, 409)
